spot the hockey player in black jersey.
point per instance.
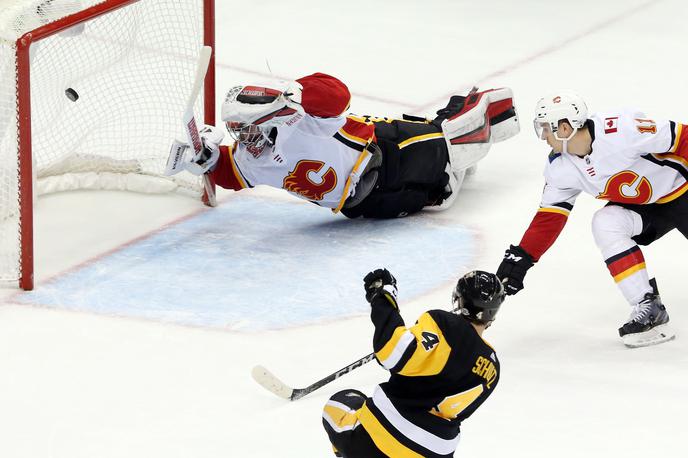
(441, 372)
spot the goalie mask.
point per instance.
(248, 135)
(478, 296)
(251, 113)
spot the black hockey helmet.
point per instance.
(478, 296)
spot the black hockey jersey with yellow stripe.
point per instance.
(442, 371)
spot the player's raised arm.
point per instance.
(392, 342)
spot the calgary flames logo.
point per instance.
(299, 180)
(627, 187)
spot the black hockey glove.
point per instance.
(513, 269)
(381, 281)
(456, 103)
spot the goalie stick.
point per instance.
(271, 383)
(190, 125)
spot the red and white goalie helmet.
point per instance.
(557, 107)
(251, 112)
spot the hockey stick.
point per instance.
(190, 125)
(271, 383)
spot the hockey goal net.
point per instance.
(91, 96)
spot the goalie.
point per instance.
(295, 136)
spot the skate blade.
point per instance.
(654, 336)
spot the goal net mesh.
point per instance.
(107, 97)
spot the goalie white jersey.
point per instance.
(634, 160)
(318, 154)
(318, 159)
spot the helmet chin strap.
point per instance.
(565, 141)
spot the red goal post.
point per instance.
(91, 95)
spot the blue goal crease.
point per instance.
(253, 264)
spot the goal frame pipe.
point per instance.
(209, 82)
(23, 78)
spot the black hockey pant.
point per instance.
(348, 441)
(659, 219)
(412, 174)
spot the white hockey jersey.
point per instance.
(315, 159)
(634, 160)
(319, 156)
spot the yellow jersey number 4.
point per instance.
(453, 405)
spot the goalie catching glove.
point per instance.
(182, 156)
(381, 281)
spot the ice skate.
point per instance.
(648, 323)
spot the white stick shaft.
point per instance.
(201, 70)
(189, 120)
(190, 125)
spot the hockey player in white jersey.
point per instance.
(639, 165)
(297, 136)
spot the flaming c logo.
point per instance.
(299, 181)
(624, 181)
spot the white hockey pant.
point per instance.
(612, 228)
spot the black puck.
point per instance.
(71, 94)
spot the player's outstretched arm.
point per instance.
(183, 157)
(513, 268)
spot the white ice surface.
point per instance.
(79, 385)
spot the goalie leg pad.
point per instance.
(488, 116)
(503, 121)
(485, 118)
(465, 156)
